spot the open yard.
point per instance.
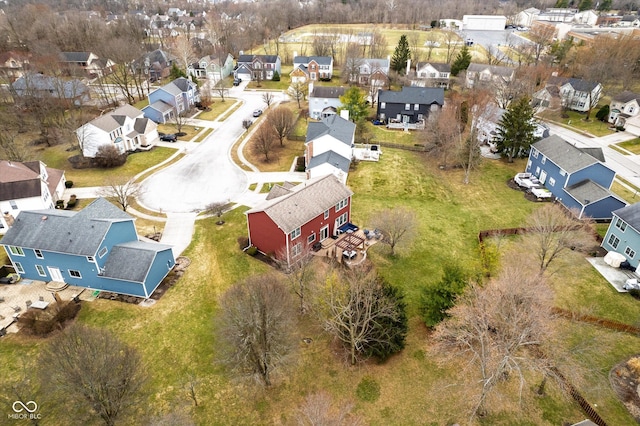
(176, 335)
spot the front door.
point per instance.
(324, 233)
(55, 274)
(543, 177)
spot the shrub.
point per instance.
(40, 323)
(276, 76)
(109, 156)
(68, 184)
(300, 166)
(603, 113)
(620, 128)
(72, 203)
(368, 389)
(252, 251)
(635, 293)
(60, 204)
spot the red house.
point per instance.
(294, 217)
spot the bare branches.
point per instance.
(282, 120)
(398, 226)
(121, 191)
(263, 141)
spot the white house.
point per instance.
(212, 67)
(624, 112)
(324, 101)
(572, 93)
(27, 186)
(370, 72)
(329, 147)
(526, 17)
(126, 128)
(432, 74)
(481, 74)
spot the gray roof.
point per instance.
(62, 231)
(566, 156)
(587, 192)
(132, 261)
(330, 157)
(631, 215)
(327, 92)
(413, 95)
(115, 119)
(75, 56)
(267, 59)
(183, 84)
(335, 126)
(321, 60)
(578, 84)
(305, 202)
(160, 106)
(627, 96)
(493, 69)
(30, 83)
(19, 180)
(436, 65)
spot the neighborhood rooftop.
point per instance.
(22, 180)
(577, 83)
(413, 95)
(305, 201)
(330, 157)
(631, 215)
(565, 155)
(587, 192)
(333, 125)
(115, 119)
(132, 260)
(327, 92)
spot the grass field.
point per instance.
(632, 145)
(576, 121)
(176, 336)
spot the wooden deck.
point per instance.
(356, 241)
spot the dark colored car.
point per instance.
(236, 81)
(257, 113)
(168, 138)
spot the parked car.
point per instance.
(168, 138)
(236, 81)
(257, 113)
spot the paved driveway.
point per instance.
(206, 174)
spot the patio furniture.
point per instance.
(28, 303)
(40, 304)
(16, 308)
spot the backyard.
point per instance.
(176, 335)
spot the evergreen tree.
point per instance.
(585, 5)
(176, 72)
(276, 76)
(438, 298)
(461, 62)
(401, 55)
(353, 101)
(515, 131)
(604, 5)
(389, 333)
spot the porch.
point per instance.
(349, 247)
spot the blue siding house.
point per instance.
(577, 177)
(171, 100)
(623, 235)
(95, 248)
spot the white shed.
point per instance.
(484, 22)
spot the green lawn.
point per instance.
(632, 145)
(575, 120)
(176, 336)
(219, 109)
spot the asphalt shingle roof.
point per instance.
(132, 261)
(413, 95)
(321, 60)
(493, 69)
(305, 202)
(62, 231)
(568, 157)
(332, 158)
(327, 92)
(587, 192)
(631, 215)
(578, 84)
(627, 96)
(335, 126)
(115, 119)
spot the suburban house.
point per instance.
(311, 68)
(33, 87)
(96, 248)
(624, 112)
(156, 64)
(432, 74)
(295, 218)
(257, 67)
(126, 128)
(13, 64)
(571, 93)
(324, 101)
(577, 177)
(212, 67)
(623, 235)
(88, 63)
(370, 72)
(329, 147)
(478, 75)
(27, 186)
(410, 106)
(171, 100)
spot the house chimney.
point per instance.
(344, 114)
(8, 218)
(408, 66)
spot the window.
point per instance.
(341, 220)
(630, 252)
(38, 254)
(543, 160)
(16, 250)
(416, 107)
(13, 205)
(407, 107)
(19, 268)
(342, 204)
(563, 173)
(102, 252)
(534, 153)
(326, 214)
(614, 241)
(552, 182)
(40, 270)
(295, 234)
(631, 110)
(90, 259)
(296, 249)
(311, 238)
(529, 165)
(621, 225)
(74, 273)
(383, 105)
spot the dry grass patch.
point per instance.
(280, 158)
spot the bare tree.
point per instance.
(181, 119)
(431, 43)
(183, 49)
(268, 98)
(378, 47)
(121, 191)
(298, 91)
(89, 368)
(553, 231)
(217, 208)
(415, 45)
(542, 36)
(357, 309)
(443, 133)
(452, 43)
(257, 326)
(282, 120)
(221, 88)
(263, 140)
(469, 152)
(320, 409)
(398, 226)
(500, 328)
(299, 271)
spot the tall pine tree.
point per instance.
(461, 62)
(515, 129)
(401, 55)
